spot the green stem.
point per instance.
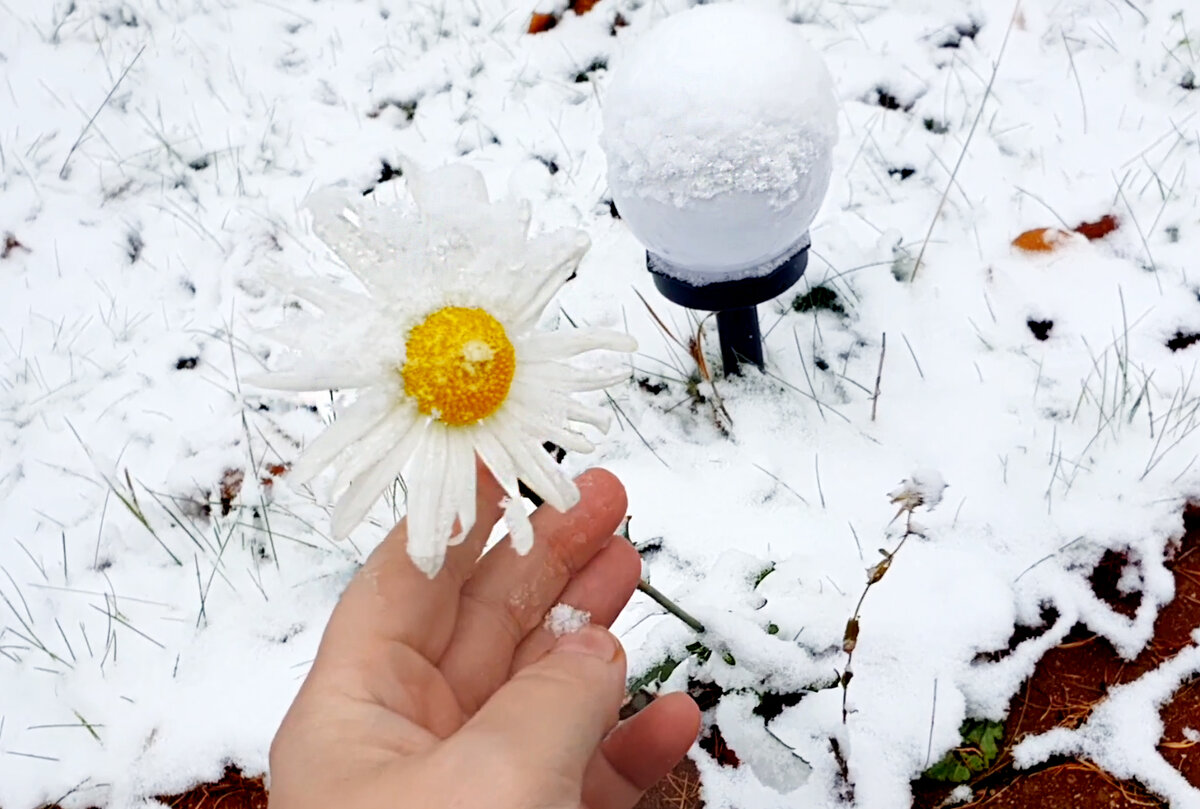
(670, 606)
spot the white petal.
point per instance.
(366, 488)
(426, 480)
(497, 459)
(566, 494)
(376, 443)
(598, 417)
(315, 379)
(357, 420)
(539, 425)
(557, 404)
(567, 439)
(325, 295)
(569, 379)
(539, 346)
(445, 189)
(338, 220)
(534, 466)
(562, 252)
(520, 529)
(460, 476)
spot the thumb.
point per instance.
(557, 711)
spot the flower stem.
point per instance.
(670, 606)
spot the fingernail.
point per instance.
(591, 641)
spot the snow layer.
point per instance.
(152, 633)
(719, 126)
(1123, 732)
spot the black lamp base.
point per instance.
(741, 338)
(734, 302)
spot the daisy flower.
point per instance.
(443, 351)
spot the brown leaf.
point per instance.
(696, 350)
(231, 486)
(583, 6)
(879, 571)
(539, 23)
(274, 470)
(850, 638)
(1098, 229)
(11, 243)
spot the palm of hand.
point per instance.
(440, 692)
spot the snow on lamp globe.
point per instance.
(719, 127)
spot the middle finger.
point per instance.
(508, 595)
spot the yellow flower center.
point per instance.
(460, 365)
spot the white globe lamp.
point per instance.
(719, 127)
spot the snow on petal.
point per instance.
(445, 189)
(338, 221)
(552, 259)
(520, 529)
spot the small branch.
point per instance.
(874, 576)
(807, 376)
(932, 716)
(987, 93)
(879, 375)
(913, 354)
(62, 172)
(1078, 83)
(817, 473)
(670, 606)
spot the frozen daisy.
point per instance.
(442, 348)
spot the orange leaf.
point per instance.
(1098, 230)
(542, 22)
(583, 6)
(1041, 240)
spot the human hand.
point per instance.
(449, 692)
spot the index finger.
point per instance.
(508, 595)
(390, 601)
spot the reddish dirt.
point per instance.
(1072, 678)
(1066, 786)
(234, 791)
(679, 790)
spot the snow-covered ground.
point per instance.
(153, 158)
